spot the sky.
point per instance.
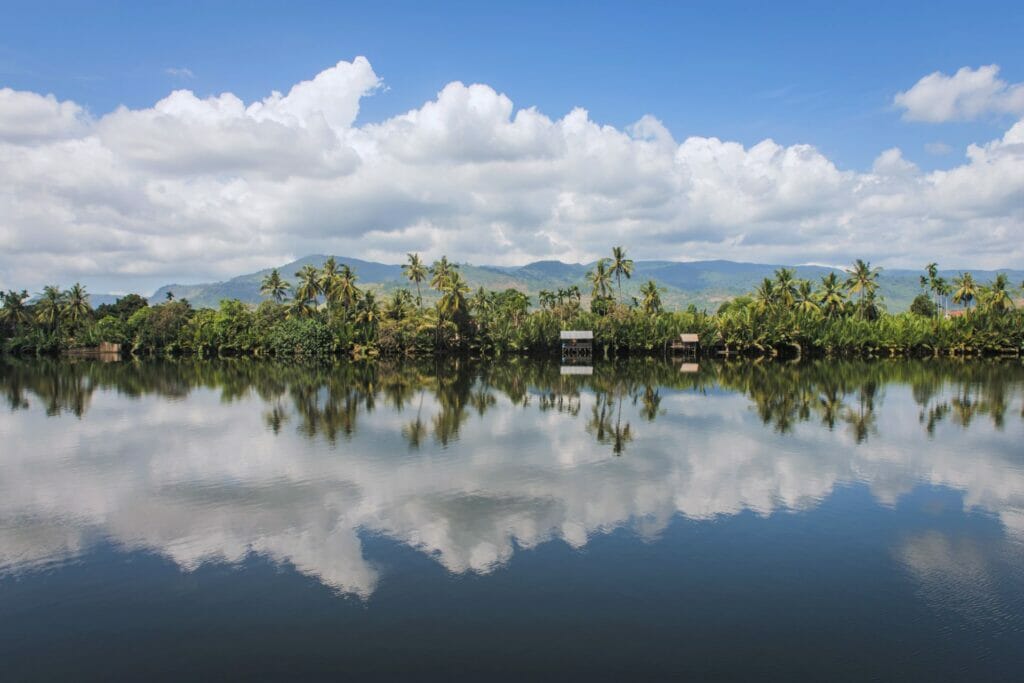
(147, 143)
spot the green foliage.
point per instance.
(924, 306)
(330, 315)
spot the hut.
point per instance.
(687, 345)
(577, 344)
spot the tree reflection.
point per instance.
(325, 401)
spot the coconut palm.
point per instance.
(309, 285)
(441, 271)
(831, 297)
(966, 289)
(600, 279)
(76, 304)
(621, 266)
(50, 307)
(997, 295)
(805, 301)
(651, 294)
(368, 315)
(765, 297)
(399, 306)
(14, 312)
(453, 299)
(415, 271)
(329, 273)
(863, 281)
(785, 287)
(275, 286)
(343, 289)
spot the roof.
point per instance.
(577, 334)
(689, 338)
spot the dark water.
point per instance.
(481, 521)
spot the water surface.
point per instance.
(512, 520)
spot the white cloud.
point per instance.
(196, 188)
(179, 72)
(937, 148)
(967, 94)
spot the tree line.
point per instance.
(324, 312)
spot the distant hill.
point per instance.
(705, 284)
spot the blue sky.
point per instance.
(140, 142)
(814, 72)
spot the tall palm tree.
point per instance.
(785, 286)
(862, 280)
(998, 297)
(415, 271)
(441, 271)
(765, 296)
(453, 299)
(805, 302)
(930, 282)
(14, 312)
(50, 307)
(651, 294)
(275, 286)
(368, 315)
(76, 304)
(309, 284)
(329, 278)
(830, 296)
(966, 289)
(621, 266)
(344, 289)
(600, 279)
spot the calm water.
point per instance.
(749, 521)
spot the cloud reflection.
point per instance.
(210, 462)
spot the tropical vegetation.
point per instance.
(323, 311)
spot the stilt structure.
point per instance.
(687, 346)
(577, 345)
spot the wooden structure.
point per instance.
(687, 345)
(577, 344)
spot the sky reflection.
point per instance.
(470, 463)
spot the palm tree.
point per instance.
(301, 307)
(275, 286)
(344, 288)
(50, 307)
(862, 280)
(14, 312)
(785, 286)
(651, 297)
(830, 296)
(415, 271)
(76, 304)
(329, 278)
(966, 289)
(621, 266)
(600, 279)
(453, 300)
(930, 281)
(368, 315)
(309, 284)
(441, 271)
(997, 297)
(765, 296)
(804, 301)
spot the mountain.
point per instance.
(705, 284)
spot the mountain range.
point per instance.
(705, 284)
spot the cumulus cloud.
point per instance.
(967, 94)
(207, 187)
